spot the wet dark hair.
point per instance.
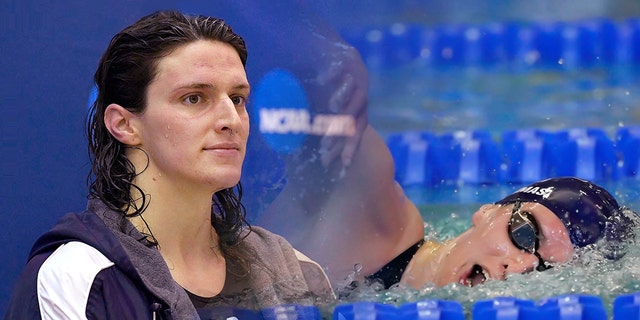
(124, 73)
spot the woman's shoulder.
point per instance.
(264, 236)
(278, 253)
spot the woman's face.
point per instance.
(485, 251)
(195, 125)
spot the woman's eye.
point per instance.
(193, 99)
(238, 100)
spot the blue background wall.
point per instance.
(48, 54)
(49, 51)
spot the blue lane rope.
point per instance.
(561, 307)
(520, 156)
(571, 44)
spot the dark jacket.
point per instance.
(96, 265)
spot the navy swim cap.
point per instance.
(588, 211)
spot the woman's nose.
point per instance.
(227, 116)
(521, 262)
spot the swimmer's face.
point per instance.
(485, 251)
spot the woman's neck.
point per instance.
(175, 223)
(418, 272)
(188, 243)
(177, 216)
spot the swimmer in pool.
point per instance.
(534, 228)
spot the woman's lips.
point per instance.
(224, 146)
(475, 276)
(226, 149)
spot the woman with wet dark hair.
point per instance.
(164, 234)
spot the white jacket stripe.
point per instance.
(65, 279)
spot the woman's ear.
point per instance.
(121, 124)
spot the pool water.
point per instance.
(414, 97)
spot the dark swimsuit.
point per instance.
(391, 273)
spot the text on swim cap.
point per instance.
(544, 192)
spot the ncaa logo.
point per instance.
(281, 108)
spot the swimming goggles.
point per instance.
(524, 233)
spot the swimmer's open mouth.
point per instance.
(475, 277)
